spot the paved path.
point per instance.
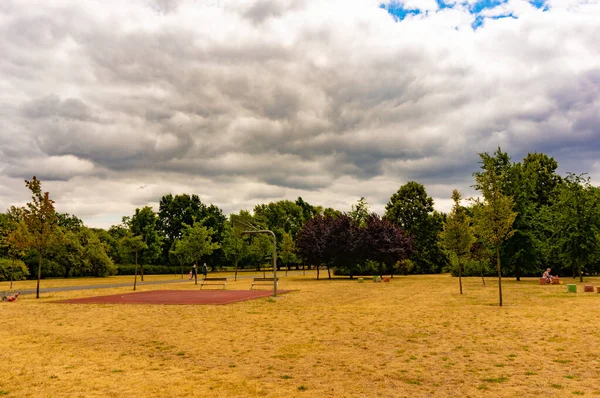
(113, 285)
(103, 286)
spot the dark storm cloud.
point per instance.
(264, 99)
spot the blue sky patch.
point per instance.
(442, 4)
(540, 4)
(398, 11)
(478, 22)
(485, 4)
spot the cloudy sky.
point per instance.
(113, 104)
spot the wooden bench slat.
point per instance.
(264, 281)
(214, 281)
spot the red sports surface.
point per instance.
(181, 297)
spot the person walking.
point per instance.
(204, 270)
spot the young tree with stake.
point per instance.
(457, 237)
(196, 242)
(40, 218)
(129, 245)
(494, 215)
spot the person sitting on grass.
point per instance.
(547, 276)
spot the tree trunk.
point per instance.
(286, 269)
(236, 268)
(460, 275)
(135, 271)
(195, 274)
(318, 272)
(499, 275)
(303, 269)
(328, 271)
(39, 275)
(482, 279)
(580, 273)
(182, 272)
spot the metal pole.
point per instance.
(274, 264)
(274, 255)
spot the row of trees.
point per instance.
(526, 218)
(354, 244)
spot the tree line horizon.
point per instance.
(526, 219)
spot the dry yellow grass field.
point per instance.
(413, 337)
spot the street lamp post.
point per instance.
(274, 255)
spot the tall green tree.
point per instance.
(175, 211)
(14, 237)
(69, 222)
(144, 223)
(360, 212)
(308, 211)
(114, 235)
(412, 210)
(260, 250)
(578, 221)
(532, 185)
(494, 215)
(96, 260)
(69, 253)
(280, 217)
(234, 245)
(287, 253)
(195, 243)
(40, 218)
(457, 238)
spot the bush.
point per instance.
(19, 270)
(129, 269)
(405, 266)
(369, 268)
(471, 268)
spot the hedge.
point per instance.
(19, 270)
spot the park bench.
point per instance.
(263, 281)
(214, 281)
